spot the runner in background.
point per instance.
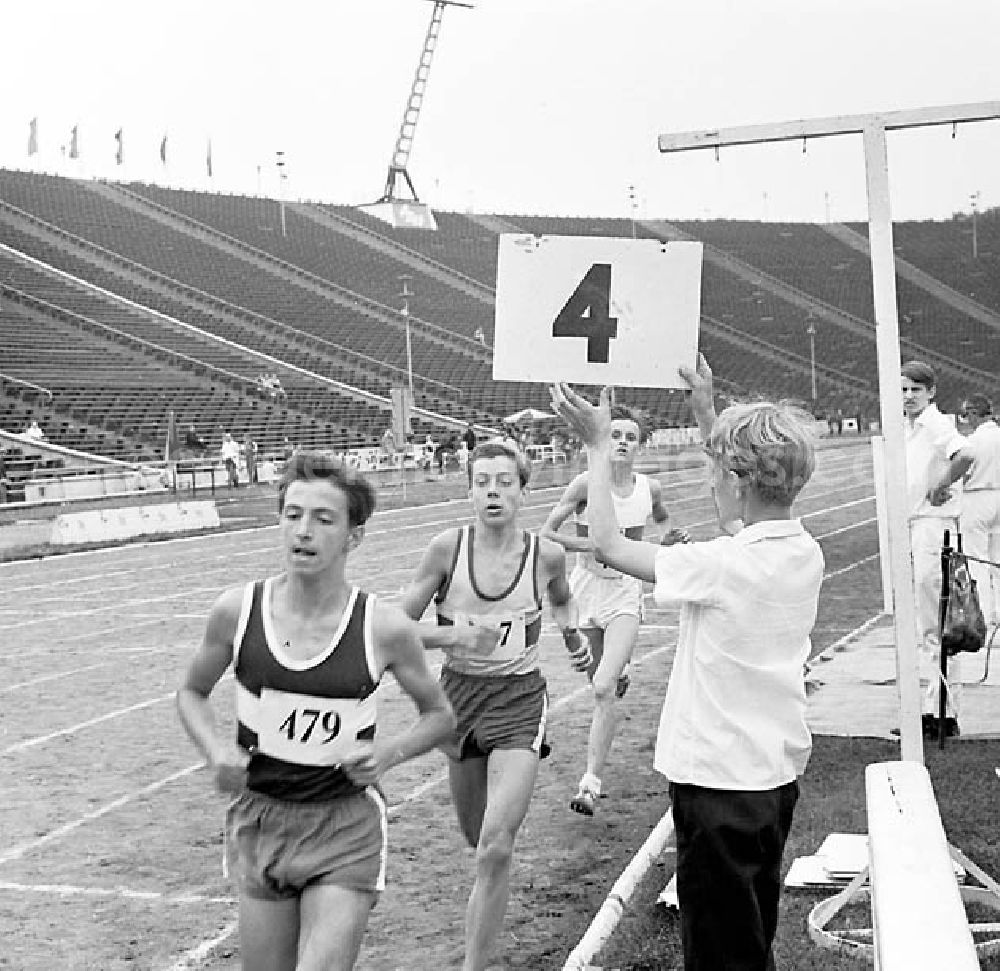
(610, 603)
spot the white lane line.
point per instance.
(125, 893)
(73, 729)
(846, 529)
(16, 852)
(122, 605)
(196, 956)
(7, 688)
(851, 566)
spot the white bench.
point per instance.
(917, 912)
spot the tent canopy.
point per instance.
(529, 414)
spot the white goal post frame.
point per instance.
(873, 128)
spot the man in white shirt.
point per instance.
(977, 464)
(733, 736)
(230, 453)
(931, 441)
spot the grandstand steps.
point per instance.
(55, 354)
(960, 374)
(958, 301)
(495, 224)
(297, 357)
(257, 333)
(375, 312)
(788, 359)
(379, 242)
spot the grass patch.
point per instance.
(832, 801)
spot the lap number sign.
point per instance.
(596, 310)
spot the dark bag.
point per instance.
(964, 624)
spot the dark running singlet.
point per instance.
(300, 719)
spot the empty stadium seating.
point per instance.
(218, 295)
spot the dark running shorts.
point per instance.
(502, 712)
(275, 848)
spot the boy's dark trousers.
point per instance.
(729, 847)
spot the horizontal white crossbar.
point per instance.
(822, 127)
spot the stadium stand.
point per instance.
(203, 291)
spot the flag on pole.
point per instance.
(33, 136)
(163, 150)
(208, 159)
(74, 144)
(118, 152)
(172, 445)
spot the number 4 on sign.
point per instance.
(587, 313)
(596, 310)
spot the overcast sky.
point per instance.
(532, 106)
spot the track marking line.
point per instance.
(73, 729)
(16, 852)
(196, 956)
(124, 893)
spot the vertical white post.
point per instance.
(891, 400)
(881, 491)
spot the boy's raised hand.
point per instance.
(591, 422)
(699, 380)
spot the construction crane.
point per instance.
(389, 206)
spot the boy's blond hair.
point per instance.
(772, 444)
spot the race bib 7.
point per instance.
(507, 632)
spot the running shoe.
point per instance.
(584, 802)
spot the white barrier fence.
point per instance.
(97, 525)
(606, 920)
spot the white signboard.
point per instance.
(596, 310)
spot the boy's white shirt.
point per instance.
(734, 713)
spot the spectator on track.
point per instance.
(250, 459)
(34, 431)
(469, 438)
(931, 442)
(194, 441)
(230, 453)
(977, 464)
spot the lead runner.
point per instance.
(306, 831)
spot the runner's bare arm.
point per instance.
(430, 574)
(564, 609)
(660, 515)
(569, 502)
(399, 650)
(593, 424)
(699, 380)
(225, 758)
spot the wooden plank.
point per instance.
(917, 910)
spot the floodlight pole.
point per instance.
(974, 199)
(405, 294)
(280, 163)
(411, 114)
(872, 128)
(811, 331)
